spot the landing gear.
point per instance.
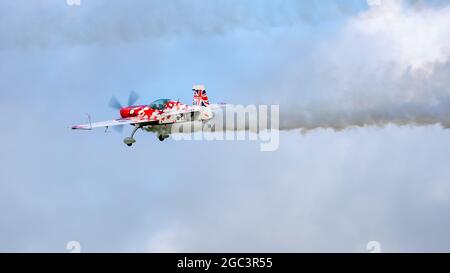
(162, 137)
(130, 140)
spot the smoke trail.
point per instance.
(388, 65)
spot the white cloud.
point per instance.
(411, 36)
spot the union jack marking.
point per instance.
(200, 98)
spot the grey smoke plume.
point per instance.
(388, 65)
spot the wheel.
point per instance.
(129, 141)
(161, 138)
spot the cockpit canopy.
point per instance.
(159, 104)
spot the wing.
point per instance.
(133, 120)
(218, 106)
(173, 113)
(174, 116)
(110, 123)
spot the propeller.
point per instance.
(114, 103)
(132, 98)
(118, 128)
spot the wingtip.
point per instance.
(77, 127)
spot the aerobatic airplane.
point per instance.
(157, 116)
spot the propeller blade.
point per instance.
(132, 98)
(118, 128)
(114, 103)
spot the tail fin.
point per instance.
(200, 97)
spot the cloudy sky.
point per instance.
(364, 152)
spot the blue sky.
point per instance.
(324, 190)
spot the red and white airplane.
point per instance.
(158, 116)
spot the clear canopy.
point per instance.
(159, 104)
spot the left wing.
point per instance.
(110, 123)
(134, 120)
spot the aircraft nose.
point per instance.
(124, 112)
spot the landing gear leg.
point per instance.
(130, 140)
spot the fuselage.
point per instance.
(159, 110)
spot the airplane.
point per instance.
(157, 116)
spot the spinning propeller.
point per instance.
(115, 104)
(132, 99)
